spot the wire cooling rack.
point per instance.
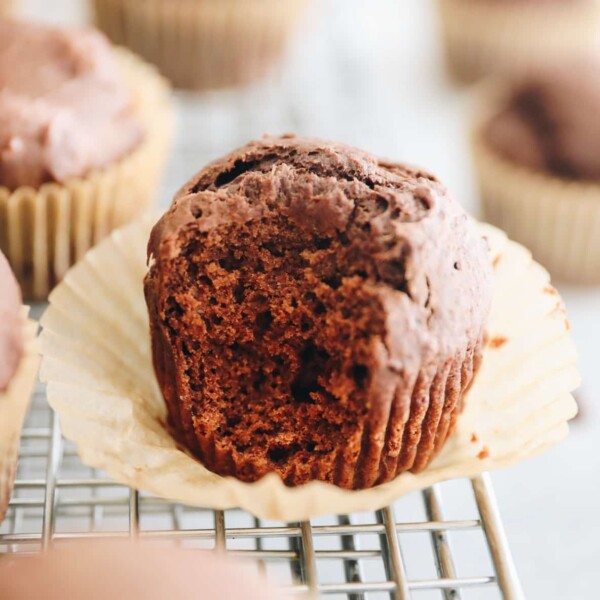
(420, 547)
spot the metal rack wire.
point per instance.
(402, 551)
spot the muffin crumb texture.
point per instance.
(304, 320)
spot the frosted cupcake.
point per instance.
(203, 44)
(18, 367)
(507, 36)
(537, 153)
(79, 122)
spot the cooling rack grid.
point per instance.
(421, 547)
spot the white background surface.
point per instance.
(369, 72)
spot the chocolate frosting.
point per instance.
(64, 110)
(433, 274)
(550, 123)
(10, 324)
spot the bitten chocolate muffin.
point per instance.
(11, 344)
(315, 312)
(550, 123)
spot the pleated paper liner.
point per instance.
(44, 231)
(557, 219)
(13, 406)
(203, 44)
(483, 38)
(97, 364)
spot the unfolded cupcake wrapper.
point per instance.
(13, 407)
(44, 231)
(481, 38)
(557, 219)
(203, 44)
(97, 363)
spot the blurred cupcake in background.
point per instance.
(511, 36)
(203, 44)
(84, 132)
(536, 146)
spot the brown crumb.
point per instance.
(496, 260)
(549, 289)
(474, 438)
(485, 452)
(497, 342)
(567, 325)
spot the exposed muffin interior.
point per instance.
(269, 303)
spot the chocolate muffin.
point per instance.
(11, 345)
(204, 44)
(509, 37)
(550, 123)
(536, 149)
(315, 312)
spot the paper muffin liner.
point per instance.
(97, 363)
(202, 44)
(482, 38)
(13, 407)
(44, 231)
(557, 219)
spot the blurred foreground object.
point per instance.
(506, 36)
(129, 571)
(203, 44)
(536, 146)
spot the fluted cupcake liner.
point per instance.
(13, 406)
(97, 363)
(483, 38)
(203, 44)
(557, 219)
(44, 231)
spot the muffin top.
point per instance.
(64, 110)
(391, 226)
(550, 123)
(10, 324)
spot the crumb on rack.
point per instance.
(497, 341)
(485, 452)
